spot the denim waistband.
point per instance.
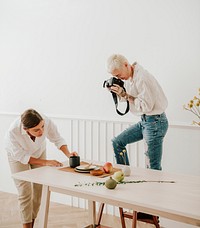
(145, 117)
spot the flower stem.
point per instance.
(97, 183)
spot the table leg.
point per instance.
(100, 213)
(44, 208)
(92, 212)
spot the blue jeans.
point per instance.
(152, 129)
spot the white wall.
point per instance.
(53, 55)
(53, 52)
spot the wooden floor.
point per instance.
(60, 216)
(63, 216)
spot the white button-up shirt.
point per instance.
(149, 96)
(21, 147)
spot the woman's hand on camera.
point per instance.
(118, 90)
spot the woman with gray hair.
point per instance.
(147, 100)
(25, 144)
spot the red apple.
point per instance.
(108, 167)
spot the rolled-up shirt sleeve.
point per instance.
(144, 101)
(53, 135)
(149, 98)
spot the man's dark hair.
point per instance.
(30, 118)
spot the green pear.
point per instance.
(110, 183)
(118, 176)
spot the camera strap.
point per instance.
(114, 95)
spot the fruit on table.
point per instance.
(118, 176)
(108, 167)
(110, 183)
(96, 172)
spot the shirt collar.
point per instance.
(23, 132)
(136, 68)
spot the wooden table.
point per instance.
(179, 201)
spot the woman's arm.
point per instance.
(44, 162)
(65, 150)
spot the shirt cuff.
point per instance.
(25, 159)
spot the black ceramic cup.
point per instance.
(74, 161)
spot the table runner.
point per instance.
(72, 170)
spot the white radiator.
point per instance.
(92, 140)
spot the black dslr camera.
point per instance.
(111, 81)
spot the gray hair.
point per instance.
(115, 61)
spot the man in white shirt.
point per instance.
(146, 99)
(25, 144)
